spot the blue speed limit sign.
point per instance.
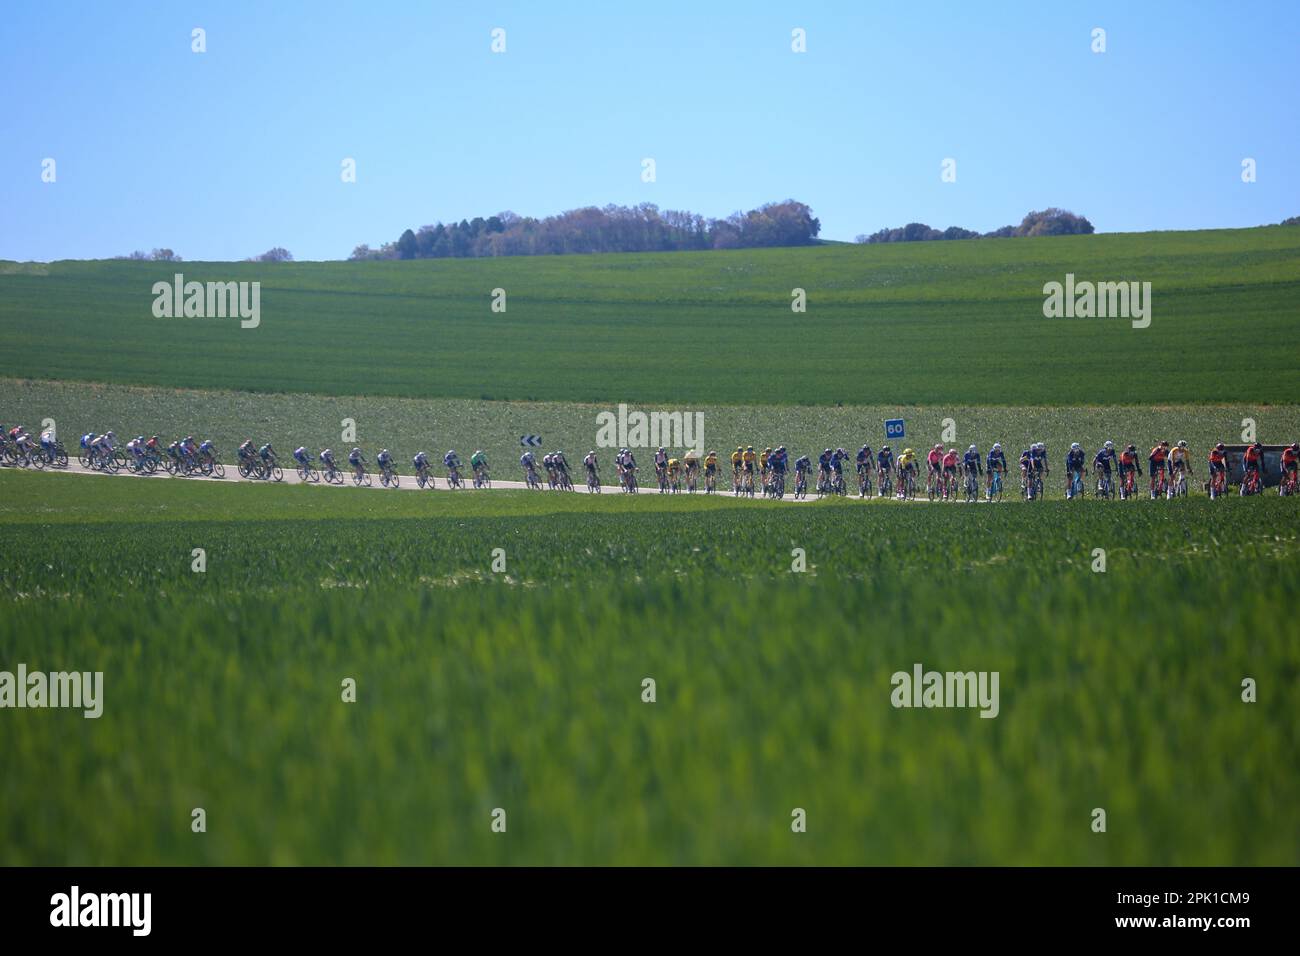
(894, 428)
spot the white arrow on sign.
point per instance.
(533, 440)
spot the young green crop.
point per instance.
(522, 689)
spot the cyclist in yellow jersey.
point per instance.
(1180, 456)
(674, 467)
(749, 457)
(906, 459)
(711, 461)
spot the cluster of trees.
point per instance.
(278, 254)
(640, 228)
(157, 255)
(1293, 221)
(1046, 222)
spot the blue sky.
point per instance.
(224, 154)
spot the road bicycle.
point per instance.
(934, 483)
(210, 467)
(531, 479)
(389, 478)
(1217, 486)
(593, 482)
(1178, 486)
(361, 477)
(1289, 485)
(800, 485)
(710, 481)
(692, 479)
(453, 479)
(885, 482)
(481, 477)
(972, 486)
(994, 490)
(307, 473)
(423, 479)
(1251, 484)
(778, 486)
(629, 482)
(1105, 487)
(1128, 484)
(1074, 485)
(1159, 483)
(864, 481)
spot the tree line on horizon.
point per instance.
(1046, 222)
(641, 228)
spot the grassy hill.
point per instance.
(923, 323)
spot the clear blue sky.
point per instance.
(224, 154)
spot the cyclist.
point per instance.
(49, 445)
(590, 463)
(661, 462)
(1180, 459)
(358, 462)
(452, 462)
(778, 461)
(674, 470)
(950, 472)
(1073, 468)
(838, 459)
(824, 466)
(691, 461)
(934, 462)
(1290, 455)
(996, 463)
(864, 458)
(763, 460)
(1038, 458)
(973, 464)
(529, 464)
(1157, 460)
(884, 465)
(207, 450)
(135, 446)
(736, 457)
(267, 454)
(560, 463)
(1105, 460)
(747, 461)
(711, 466)
(1252, 462)
(174, 453)
(419, 464)
(478, 463)
(1129, 464)
(87, 441)
(384, 461)
(302, 456)
(327, 460)
(906, 466)
(802, 465)
(189, 447)
(245, 452)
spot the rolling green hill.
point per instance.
(903, 324)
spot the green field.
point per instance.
(522, 689)
(909, 324)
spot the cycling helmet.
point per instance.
(139, 438)
(767, 451)
(592, 452)
(884, 448)
(1219, 446)
(780, 449)
(661, 449)
(997, 446)
(972, 448)
(1295, 446)
(1074, 446)
(1164, 444)
(1109, 444)
(828, 451)
(749, 448)
(106, 434)
(1132, 447)
(1182, 444)
(384, 452)
(907, 451)
(478, 451)
(154, 438)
